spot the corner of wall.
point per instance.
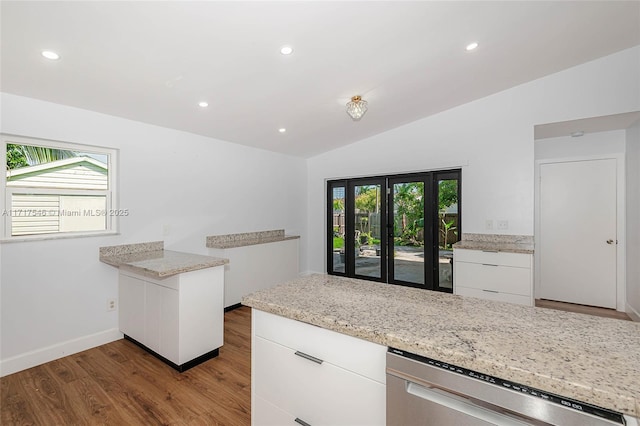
(633, 220)
(633, 314)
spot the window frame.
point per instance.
(111, 193)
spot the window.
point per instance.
(57, 189)
(397, 229)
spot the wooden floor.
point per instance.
(582, 309)
(120, 384)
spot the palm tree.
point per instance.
(40, 155)
(23, 155)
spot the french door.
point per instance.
(396, 229)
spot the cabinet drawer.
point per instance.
(504, 279)
(330, 346)
(264, 413)
(521, 260)
(498, 297)
(319, 394)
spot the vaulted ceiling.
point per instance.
(155, 61)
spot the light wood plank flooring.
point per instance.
(120, 384)
(582, 309)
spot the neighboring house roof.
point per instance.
(70, 173)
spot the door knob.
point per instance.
(609, 241)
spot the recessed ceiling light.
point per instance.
(282, 130)
(286, 50)
(50, 54)
(472, 46)
(577, 134)
(203, 104)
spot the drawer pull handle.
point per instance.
(310, 358)
(490, 291)
(488, 264)
(490, 251)
(301, 422)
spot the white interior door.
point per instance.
(578, 232)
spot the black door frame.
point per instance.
(436, 178)
(431, 247)
(350, 246)
(331, 185)
(427, 207)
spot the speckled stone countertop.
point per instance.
(248, 239)
(151, 260)
(495, 242)
(591, 359)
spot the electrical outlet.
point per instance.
(111, 305)
(488, 224)
(503, 224)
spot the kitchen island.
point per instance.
(590, 359)
(153, 261)
(171, 303)
(257, 260)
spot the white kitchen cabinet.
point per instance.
(180, 318)
(132, 300)
(269, 414)
(499, 276)
(256, 267)
(316, 375)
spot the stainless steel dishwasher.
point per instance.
(423, 391)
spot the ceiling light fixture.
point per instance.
(50, 54)
(472, 46)
(282, 130)
(203, 104)
(286, 50)
(356, 108)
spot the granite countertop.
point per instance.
(489, 246)
(248, 239)
(495, 242)
(151, 260)
(591, 359)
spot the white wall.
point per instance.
(54, 293)
(589, 145)
(633, 220)
(492, 139)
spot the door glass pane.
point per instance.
(338, 228)
(367, 230)
(408, 232)
(448, 219)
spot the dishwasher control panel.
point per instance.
(546, 396)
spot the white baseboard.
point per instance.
(60, 350)
(633, 314)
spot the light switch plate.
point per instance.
(488, 224)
